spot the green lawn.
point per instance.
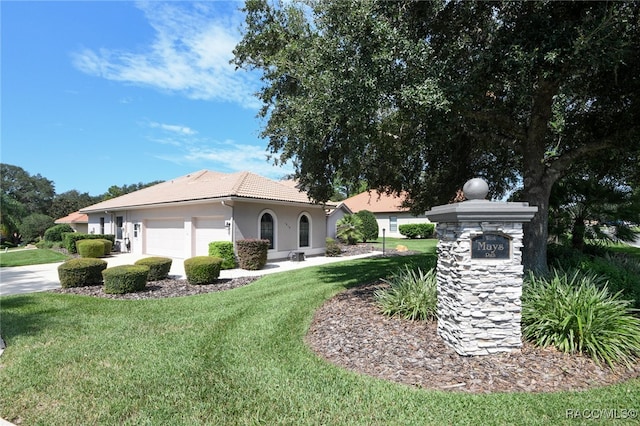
(235, 357)
(418, 245)
(21, 257)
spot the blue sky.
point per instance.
(96, 94)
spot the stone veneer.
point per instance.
(479, 308)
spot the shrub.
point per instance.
(369, 225)
(34, 226)
(223, 250)
(90, 248)
(71, 238)
(55, 233)
(417, 230)
(332, 248)
(412, 294)
(622, 273)
(202, 269)
(125, 279)
(349, 229)
(252, 254)
(81, 272)
(159, 267)
(107, 245)
(575, 312)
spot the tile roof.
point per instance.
(204, 185)
(376, 203)
(75, 217)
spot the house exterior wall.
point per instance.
(184, 231)
(286, 217)
(332, 220)
(403, 218)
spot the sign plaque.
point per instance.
(490, 246)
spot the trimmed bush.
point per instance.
(332, 248)
(90, 248)
(574, 312)
(55, 233)
(125, 279)
(369, 225)
(71, 238)
(159, 267)
(252, 254)
(417, 230)
(81, 272)
(202, 269)
(412, 294)
(108, 245)
(223, 250)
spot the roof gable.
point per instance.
(75, 217)
(204, 185)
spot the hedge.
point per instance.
(202, 269)
(90, 248)
(71, 238)
(159, 267)
(417, 230)
(125, 279)
(252, 253)
(81, 272)
(56, 233)
(223, 250)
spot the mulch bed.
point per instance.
(349, 331)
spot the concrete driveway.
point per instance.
(33, 278)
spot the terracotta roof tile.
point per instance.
(376, 203)
(203, 185)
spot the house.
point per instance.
(78, 221)
(388, 210)
(180, 217)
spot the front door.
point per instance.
(136, 238)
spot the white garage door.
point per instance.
(209, 229)
(165, 237)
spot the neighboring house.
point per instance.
(180, 217)
(333, 216)
(78, 221)
(387, 209)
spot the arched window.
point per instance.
(267, 228)
(303, 231)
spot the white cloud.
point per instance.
(189, 55)
(174, 128)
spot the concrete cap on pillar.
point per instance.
(475, 189)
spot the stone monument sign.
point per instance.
(480, 271)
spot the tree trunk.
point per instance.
(534, 252)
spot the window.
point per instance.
(393, 223)
(102, 225)
(267, 228)
(303, 231)
(119, 222)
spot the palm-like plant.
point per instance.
(349, 229)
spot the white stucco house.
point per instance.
(387, 209)
(180, 217)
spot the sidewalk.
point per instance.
(34, 278)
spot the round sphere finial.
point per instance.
(475, 189)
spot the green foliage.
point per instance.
(332, 248)
(159, 267)
(108, 245)
(223, 250)
(34, 226)
(349, 229)
(369, 225)
(90, 248)
(412, 294)
(69, 240)
(34, 192)
(125, 279)
(252, 253)
(417, 230)
(81, 272)
(55, 232)
(574, 313)
(202, 269)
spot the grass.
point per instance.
(418, 244)
(30, 257)
(236, 357)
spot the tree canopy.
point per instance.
(421, 96)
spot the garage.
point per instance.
(165, 237)
(206, 230)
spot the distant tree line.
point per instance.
(30, 205)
